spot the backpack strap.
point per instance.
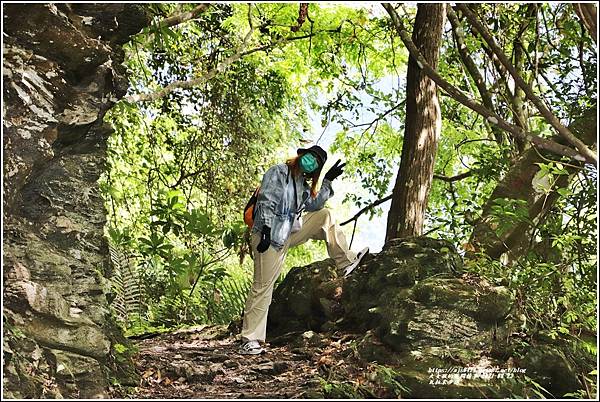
(294, 184)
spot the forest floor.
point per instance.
(202, 362)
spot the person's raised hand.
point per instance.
(335, 170)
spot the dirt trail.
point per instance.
(203, 362)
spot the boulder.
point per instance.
(419, 313)
(306, 298)
(551, 368)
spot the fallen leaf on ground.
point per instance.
(325, 361)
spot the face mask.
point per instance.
(308, 163)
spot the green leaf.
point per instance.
(169, 32)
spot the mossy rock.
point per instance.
(84, 371)
(487, 304)
(448, 293)
(429, 256)
(434, 326)
(494, 304)
(402, 261)
(370, 348)
(382, 295)
(417, 366)
(549, 366)
(298, 300)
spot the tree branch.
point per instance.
(220, 68)
(195, 82)
(452, 179)
(283, 40)
(471, 104)
(365, 209)
(302, 14)
(587, 14)
(472, 68)
(389, 197)
(183, 17)
(589, 155)
(379, 117)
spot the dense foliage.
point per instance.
(182, 166)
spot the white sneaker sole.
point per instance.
(251, 351)
(348, 270)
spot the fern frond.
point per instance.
(126, 284)
(233, 298)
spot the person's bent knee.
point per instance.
(327, 216)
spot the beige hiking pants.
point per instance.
(318, 225)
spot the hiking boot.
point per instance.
(356, 262)
(250, 348)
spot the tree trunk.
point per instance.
(517, 185)
(587, 13)
(519, 101)
(422, 129)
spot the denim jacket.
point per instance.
(275, 206)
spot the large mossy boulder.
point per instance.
(408, 291)
(379, 295)
(419, 312)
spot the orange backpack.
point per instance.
(249, 210)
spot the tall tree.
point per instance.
(522, 183)
(525, 183)
(422, 128)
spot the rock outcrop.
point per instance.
(62, 72)
(418, 311)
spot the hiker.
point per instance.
(279, 224)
